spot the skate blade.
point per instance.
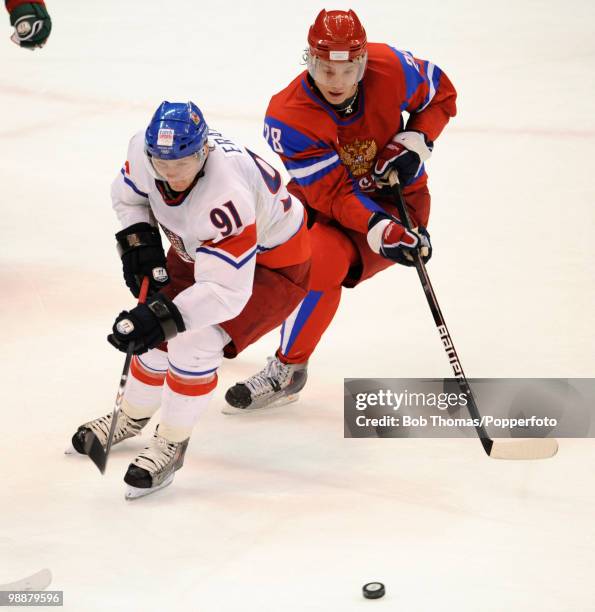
(282, 401)
(136, 492)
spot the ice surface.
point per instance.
(278, 512)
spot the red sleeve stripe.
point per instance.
(236, 245)
(294, 251)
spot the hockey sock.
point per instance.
(184, 398)
(145, 384)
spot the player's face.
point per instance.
(337, 81)
(179, 173)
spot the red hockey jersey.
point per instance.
(331, 157)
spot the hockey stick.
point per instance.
(36, 582)
(527, 448)
(93, 446)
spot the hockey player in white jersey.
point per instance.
(238, 265)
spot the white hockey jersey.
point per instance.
(237, 210)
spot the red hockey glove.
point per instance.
(405, 153)
(388, 237)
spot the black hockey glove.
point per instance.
(32, 25)
(142, 255)
(147, 325)
(388, 237)
(405, 154)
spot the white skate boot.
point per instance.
(276, 384)
(125, 428)
(154, 468)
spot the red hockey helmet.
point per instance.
(337, 36)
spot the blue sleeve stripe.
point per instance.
(434, 74)
(412, 76)
(324, 169)
(292, 141)
(420, 174)
(236, 264)
(309, 162)
(368, 203)
(298, 172)
(132, 185)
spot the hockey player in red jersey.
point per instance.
(31, 22)
(339, 130)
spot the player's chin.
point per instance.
(179, 185)
(336, 97)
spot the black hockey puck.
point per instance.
(373, 590)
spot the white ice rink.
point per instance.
(277, 512)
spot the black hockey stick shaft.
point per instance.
(447, 342)
(97, 453)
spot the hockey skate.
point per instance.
(154, 468)
(276, 384)
(125, 428)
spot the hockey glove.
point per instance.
(388, 237)
(142, 255)
(32, 25)
(405, 153)
(147, 325)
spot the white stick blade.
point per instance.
(37, 582)
(525, 448)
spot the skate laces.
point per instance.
(157, 455)
(270, 378)
(102, 426)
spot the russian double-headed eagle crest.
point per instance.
(358, 156)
